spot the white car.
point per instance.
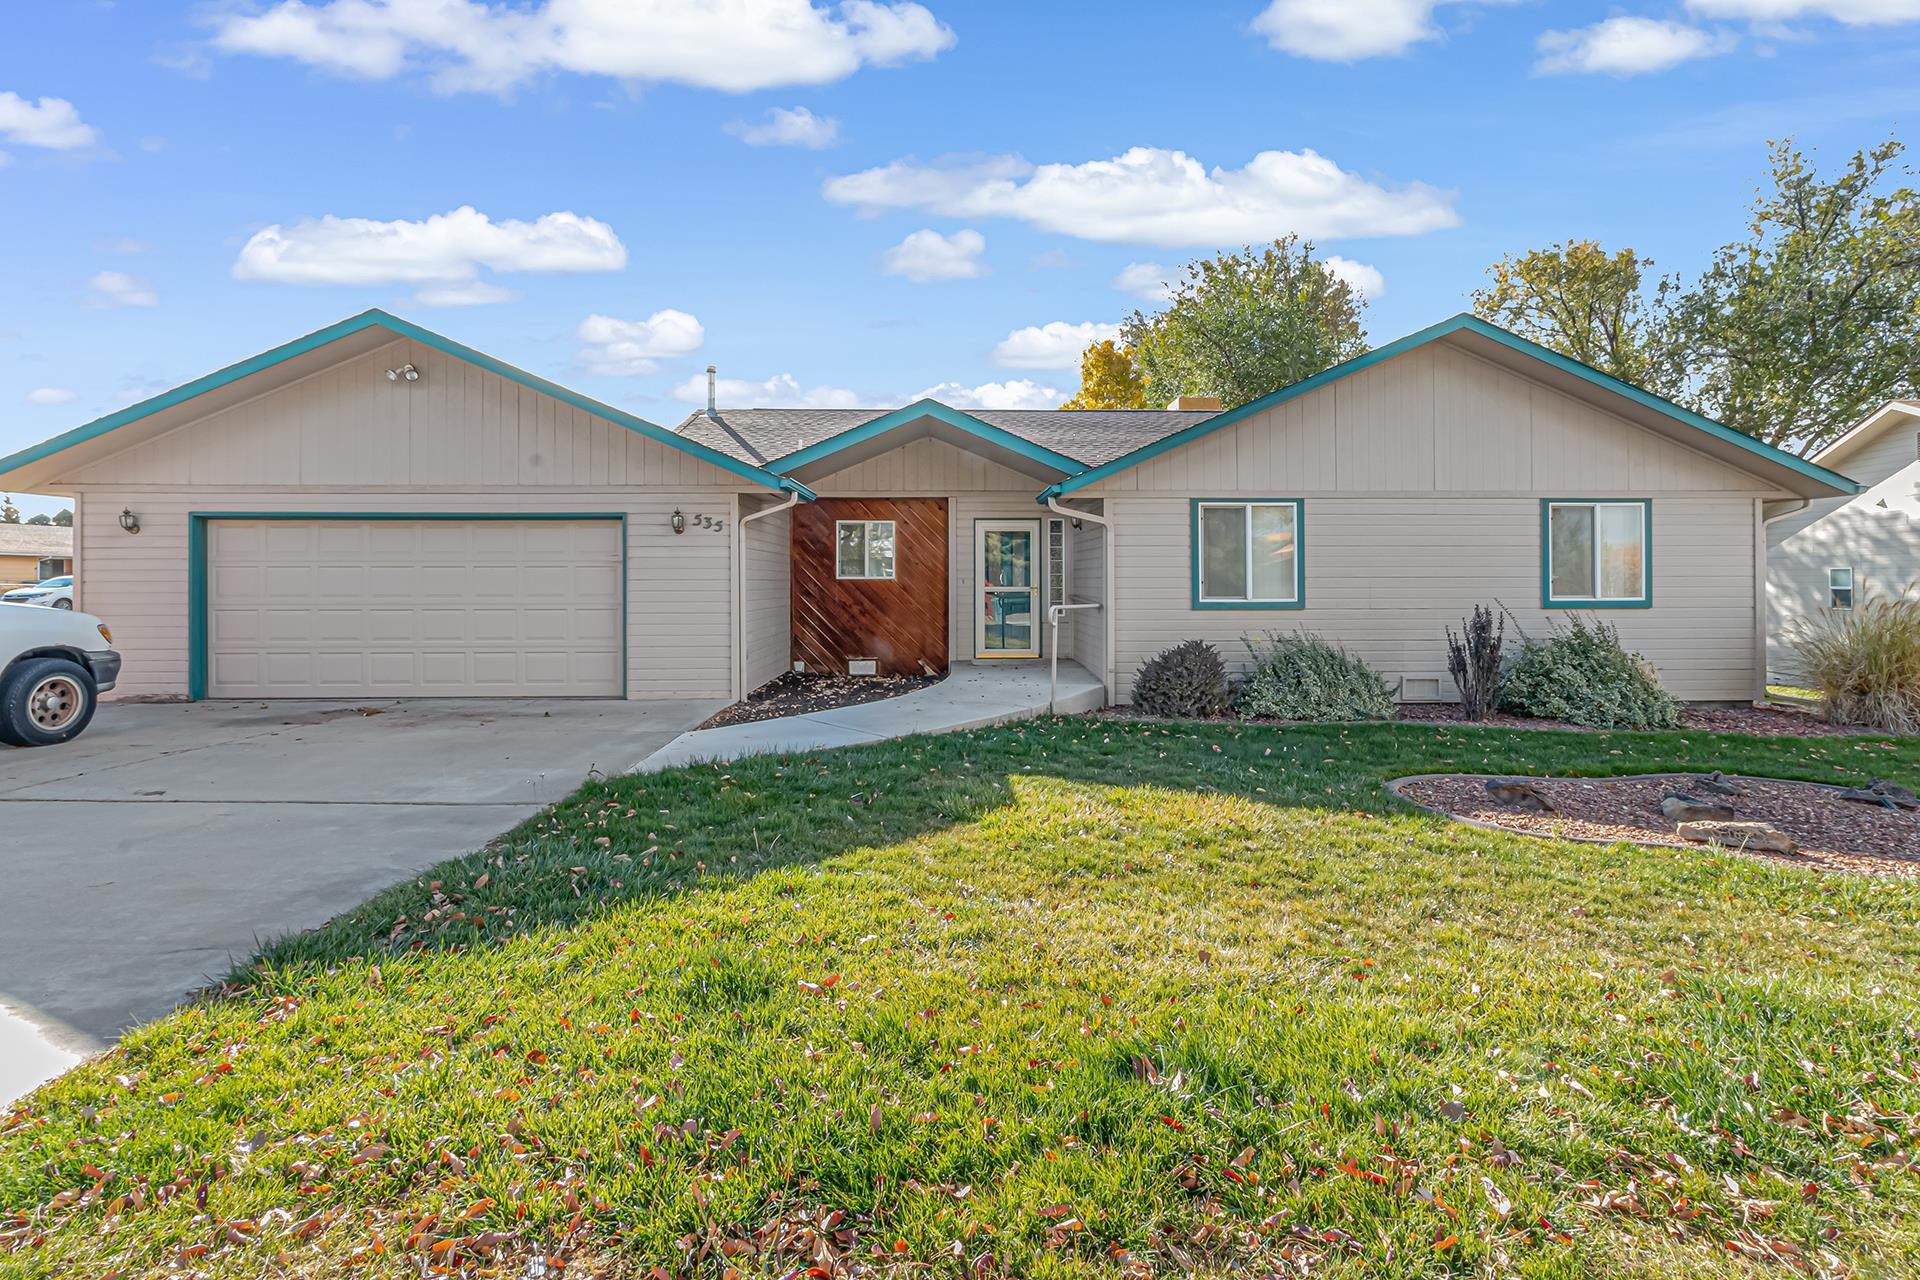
(54, 665)
(54, 593)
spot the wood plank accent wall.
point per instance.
(899, 622)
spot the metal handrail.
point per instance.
(1053, 622)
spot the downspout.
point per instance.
(1762, 605)
(740, 578)
(1106, 525)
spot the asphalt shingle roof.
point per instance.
(36, 540)
(1089, 436)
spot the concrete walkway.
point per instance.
(974, 695)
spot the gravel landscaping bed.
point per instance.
(1834, 834)
(795, 694)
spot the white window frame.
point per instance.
(1249, 601)
(866, 573)
(1852, 588)
(1642, 599)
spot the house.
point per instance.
(377, 510)
(1833, 553)
(31, 553)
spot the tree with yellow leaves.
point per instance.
(1108, 379)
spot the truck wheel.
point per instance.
(44, 701)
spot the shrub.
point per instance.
(1189, 679)
(1299, 676)
(1866, 663)
(1582, 674)
(1474, 659)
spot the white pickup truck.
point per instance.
(54, 664)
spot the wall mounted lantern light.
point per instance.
(678, 521)
(129, 521)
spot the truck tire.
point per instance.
(45, 701)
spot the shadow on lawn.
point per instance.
(621, 840)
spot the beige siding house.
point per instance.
(1837, 553)
(375, 510)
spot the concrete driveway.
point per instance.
(145, 857)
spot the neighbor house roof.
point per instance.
(43, 540)
(1492, 343)
(1869, 428)
(353, 335)
(1088, 437)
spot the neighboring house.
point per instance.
(376, 510)
(31, 553)
(1836, 553)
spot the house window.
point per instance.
(1839, 588)
(863, 548)
(1056, 562)
(1596, 554)
(1247, 555)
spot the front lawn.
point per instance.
(1076, 997)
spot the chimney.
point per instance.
(713, 378)
(1205, 403)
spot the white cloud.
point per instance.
(51, 395)
(1149, 280)
(1015, 393)
(443, 253)
(622, 348)
(1346, 30)
(50, 122)
(928, 255)
(1361, 278)
(733, 45)
(1625, 47)
(118, 289)
(1057, 345)
(788, 127)
(1148, 195)
(781, 391)
(1853, 13)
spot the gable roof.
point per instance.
(1073, 439)
(25, 463)
(1869, 428)
(43, 540)
(1642, 407)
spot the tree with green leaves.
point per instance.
(1108, 379)
(64, 517)
(9, 514)
(40, 519)
(1798, 331)
(1244, 324)
(1579, 300)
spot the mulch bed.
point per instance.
(1763, 722)
(1833, 834)
(795, 694)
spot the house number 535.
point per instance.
(708, 522)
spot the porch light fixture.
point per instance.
(129, 521)
(678, 521)
(405, 372)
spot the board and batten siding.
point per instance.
(1422, 479)
(460, 440)
(768, 605)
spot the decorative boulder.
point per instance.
(1755, 836)
(1680, 807)
(1518, 793)
(1719, 784)
(1894, 794)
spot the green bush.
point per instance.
(1190, 679)
(1299, 676)
(1583, 675)
(1866, 663)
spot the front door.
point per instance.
(1006, 558)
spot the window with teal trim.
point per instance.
(1597, 553)
(1248, 553)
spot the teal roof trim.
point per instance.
(1458, 324)
(926, 409)
(376, 318)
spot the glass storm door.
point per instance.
(1005, 559)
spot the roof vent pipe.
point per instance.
(713, 378)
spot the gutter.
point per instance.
(1106, 524)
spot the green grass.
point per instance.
(1794, 691)
(1079, 997)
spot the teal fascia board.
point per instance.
(376, 318)
(1459, 324)
(926, 409)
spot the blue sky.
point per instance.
(849, 203)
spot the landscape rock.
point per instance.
(1872, 795)
(1680, 807)
(1752, 836)
(1719, 784)
(1895, 793)
(1518, 793)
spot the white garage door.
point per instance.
(413, 608)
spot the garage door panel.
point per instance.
(343, 608)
